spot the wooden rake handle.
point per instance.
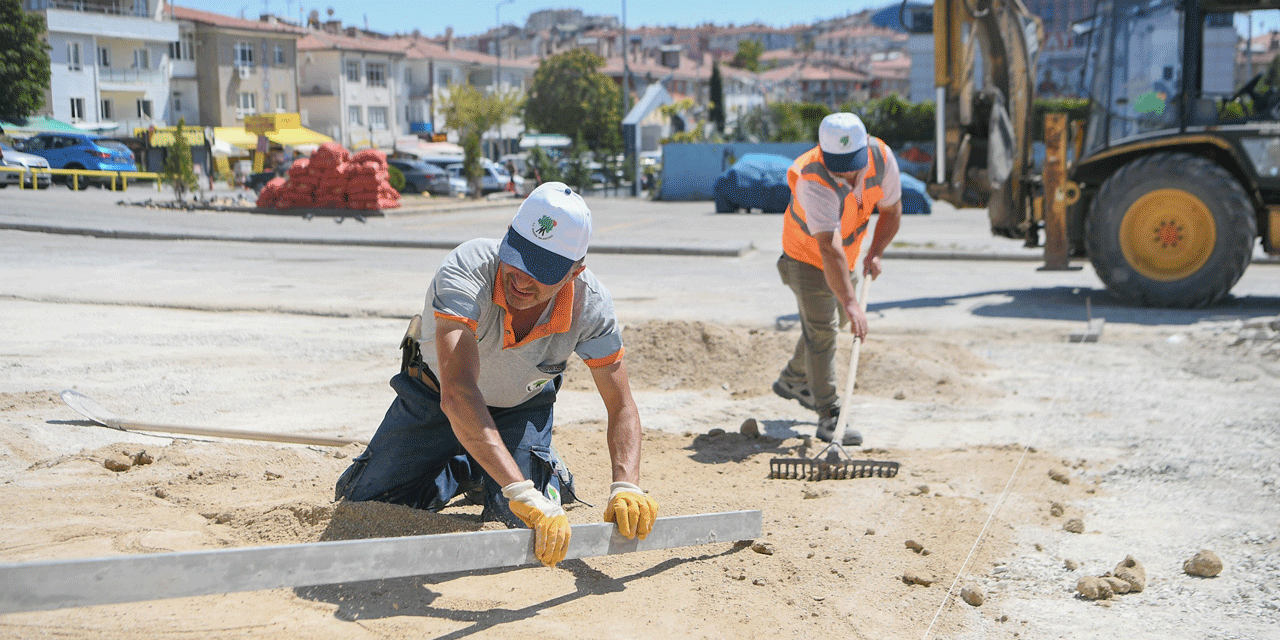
(853, 365)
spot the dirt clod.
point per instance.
(921, 578)
(1118, 585)
(1059, 475)
(118, 462)
(1056, 509)
(1132, 571)
(1205, 564)
(750, 428)
(1094, 588)
(1071, 565)
(972, 595)
(1074, 525)
(141, 458)
(914, 546)
(762, 548)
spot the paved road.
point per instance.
(660, 260)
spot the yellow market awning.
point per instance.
(238, 137)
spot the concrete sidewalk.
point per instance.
(623, 225)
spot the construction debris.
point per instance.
(1205, 564)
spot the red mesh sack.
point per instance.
(371, 155)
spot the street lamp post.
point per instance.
(497, 75)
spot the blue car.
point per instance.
(81, 151)
(755, 181)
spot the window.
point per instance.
(444, 77)
(73, 56)
(353, 71)
(184, 48)
(282, 102)
(378, 118)
(279, 57)
(104, 57)
(105, 110)
(244, 54)
(144, 108)
(353, 115)
(77, 108)
(141, 59)
(247, 105)
(376, 72)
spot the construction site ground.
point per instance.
(1160, 439)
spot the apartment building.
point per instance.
(348, 87)
(225, 68)
(110, 63)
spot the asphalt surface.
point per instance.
(660, 259)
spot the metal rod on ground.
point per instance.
(85, 406)
(58, 584)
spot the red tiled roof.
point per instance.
(230, 22)
(322, 40)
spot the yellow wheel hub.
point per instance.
(1168, 234)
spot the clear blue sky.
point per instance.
(470, 18)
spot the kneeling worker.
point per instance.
(474, 409)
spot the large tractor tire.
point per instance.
(1171, 230)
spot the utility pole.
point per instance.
(497, 75)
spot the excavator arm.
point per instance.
(985, 55)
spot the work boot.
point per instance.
(827, 428)
(793, 391)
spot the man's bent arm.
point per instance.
(886, 229)
(624, 421)
(462, 402)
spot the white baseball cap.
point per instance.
(549, 233)
(843, 140)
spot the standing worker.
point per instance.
(834, 188)
(474, 408)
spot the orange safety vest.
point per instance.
(797, 242)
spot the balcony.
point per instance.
(104, 19)
(129, 76)
(316, 90)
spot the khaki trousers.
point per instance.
(814, 361)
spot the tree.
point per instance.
(24, 62)
(569, 96)
(748, 56)
(178, 171)
(717, 98)
(470, 113)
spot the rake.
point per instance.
(833, 462)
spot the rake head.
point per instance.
(836, 464)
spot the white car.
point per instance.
(10, 157)
(494, 179)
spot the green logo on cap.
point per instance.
(844, 141)
(543, 227)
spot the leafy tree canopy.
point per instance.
(748, 56)
(569, 96)
(470, 112)
(24, 62)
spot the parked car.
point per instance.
(424, 177)
(11, 157)
(81, 151)
(494, 179)
(755, 181)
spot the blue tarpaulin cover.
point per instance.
(755, 181)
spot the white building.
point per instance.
(348, 88)
(110, 63)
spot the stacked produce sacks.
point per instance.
(368, 187)
(333, 179)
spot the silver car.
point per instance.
(10, 157)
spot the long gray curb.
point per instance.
(725, 251)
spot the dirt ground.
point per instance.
(1160, 441)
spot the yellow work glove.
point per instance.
(632, 509)
(549, 523)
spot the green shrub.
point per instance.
(396, 178)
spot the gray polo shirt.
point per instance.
(580, 319)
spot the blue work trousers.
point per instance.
(414, 459)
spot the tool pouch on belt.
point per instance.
(410, 352)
